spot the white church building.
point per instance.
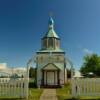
(50, 60)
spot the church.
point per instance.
(50, 60)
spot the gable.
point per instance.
(50, 67)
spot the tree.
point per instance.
(14, 75)
(32, 72)
(91, 64)
(68, 73)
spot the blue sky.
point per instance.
(24, 22)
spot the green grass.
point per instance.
(64, 92)
(34, 94)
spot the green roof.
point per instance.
(51, 32)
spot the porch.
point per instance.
(50, 76)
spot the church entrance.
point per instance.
(50, 75)
(50, 78)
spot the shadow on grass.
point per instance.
(11, 99)
(81, 99)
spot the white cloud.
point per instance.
(87, 51)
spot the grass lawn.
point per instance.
(65, 94)
(34, 94)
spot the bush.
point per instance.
(32, 84)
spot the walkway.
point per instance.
(49, 94)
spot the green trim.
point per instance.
(50, 50)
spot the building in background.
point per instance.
(6, 71)
(3, 66)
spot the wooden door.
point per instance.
(50, 78)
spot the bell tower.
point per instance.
(51, 40)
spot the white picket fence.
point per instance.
(13, 87)
(86, 87)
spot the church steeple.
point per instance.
(51, 23)
(51, 32)
(51, 40)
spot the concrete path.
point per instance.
(48, 94)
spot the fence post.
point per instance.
(73, 87)
(27, 81)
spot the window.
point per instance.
(44, 43)
(57, 43)
(50, 42)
